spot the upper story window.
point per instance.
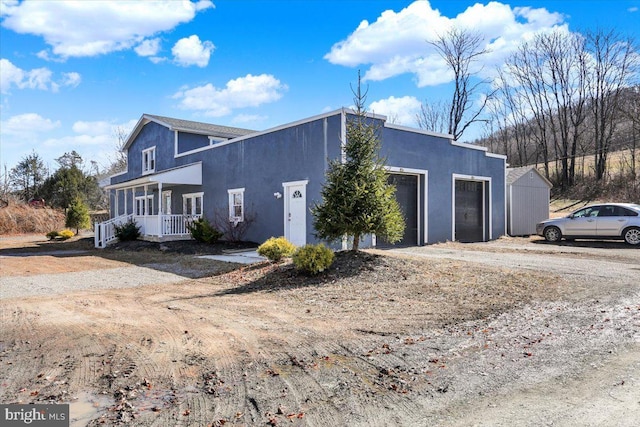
(149, 160)
(236, 205)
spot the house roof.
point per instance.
(514, 174)
(199, 127)
(218, 131)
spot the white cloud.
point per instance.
(397, 42)
(9, 75)
(149, 47)
(69, 27)
(101, 128)
(71, 79)
(38, 78)
(633, 9)
(77, 142)
(400, 111)
(27, 125)
(248, 91)
(94, 140)
(92, 128)
(191, 51)
(245, 119)
(157, 59)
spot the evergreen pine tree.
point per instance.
(78, 215)
(356, 198)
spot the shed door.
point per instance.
(407, 197)
(469, 225)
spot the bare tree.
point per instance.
(461, 49)
(549, 75)
(433, 116)
(524, 68)
(614, 63)
(119, 162)
(510, 122)
(5, 187)
(630, 110)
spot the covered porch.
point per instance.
(147, 201)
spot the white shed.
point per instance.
(528, 193)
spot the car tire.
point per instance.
(552, 234)
(631, 235)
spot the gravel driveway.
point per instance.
(334, 355)
(598, 327)
(614, 262)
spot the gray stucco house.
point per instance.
(179, 170)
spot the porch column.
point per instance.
(159, 209)
(126, 210)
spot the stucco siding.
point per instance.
(261, 163)
(190, 141)
(442, 159)
(151, 135)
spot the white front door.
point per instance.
(295, 222)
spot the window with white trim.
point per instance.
(236, 205)
(192, 203)
(149, 160)
(144, 205)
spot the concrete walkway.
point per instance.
(248, 257)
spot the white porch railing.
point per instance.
(177, 225)
(165, 225)
(150, 225)
(105, 232)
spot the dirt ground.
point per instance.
(514, 332)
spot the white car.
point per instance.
(603, 221)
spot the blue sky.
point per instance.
(73, 72)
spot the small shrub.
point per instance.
(276, 248)
(202, 231)
(127, 231)
(52, 235)
(66, 234)
(313, 259)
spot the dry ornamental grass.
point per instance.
(22, 219)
